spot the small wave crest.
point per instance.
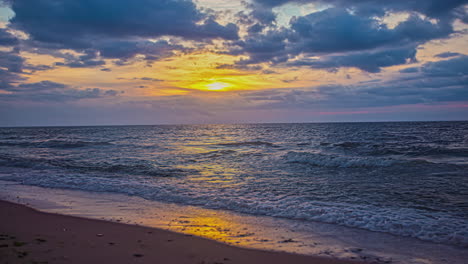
(248, 143)
(349, 144)
(137, 168)
(56, 144)
(217, 153)
(437, 227)
(326, 160)
(419, 151)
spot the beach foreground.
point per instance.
(30, 236)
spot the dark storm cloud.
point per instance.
(336, 30)
(7, 78)
(270, 46)
(110, 29)
(123, 50)
(449, 54)
(264, 16)
(410, 70)
(126, 49)
(39, 86)
(337, 35)
(348, 34)
(51, 91)
(7, 39)
(432, 8)
(11, 61)
(82, 64)
(369, 61)
(442, 81)
(456, 67)
(13, 68)
(89, 59)
(77, 23)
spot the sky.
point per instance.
(119, 62)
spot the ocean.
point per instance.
(407, 179)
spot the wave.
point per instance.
(326, 160)
(380, 149)
(350, 144)
(439, 227)
(247, 143)
(140, 167)
(419, 151)
(56, 144)
(438, 151)
(217, 153)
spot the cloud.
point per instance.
(7, 39)
(47, 91)
(448, 54)
(410, 70)
(433, 82)
(126, 49)
(148, 79)
(456, 67)
(89, 59)
(264, 16)
(11, 61)
(11, 67)
(369, 61)
(36, 87)
(78, 23)
(342, 39)
(270, 46)
(432, 8)
(336, 30)
(14, 68)
(7, 78)
(111, 29)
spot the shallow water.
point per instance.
(405, 179)
(259, 232)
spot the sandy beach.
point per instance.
(30, 236)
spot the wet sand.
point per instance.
(30, 236)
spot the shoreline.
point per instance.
(241, 231)
(29, 235)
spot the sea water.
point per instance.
(409, 179)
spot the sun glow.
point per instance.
(217, 86)
(213, 85)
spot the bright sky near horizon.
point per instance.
(109, 62)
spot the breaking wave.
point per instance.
(137, 168)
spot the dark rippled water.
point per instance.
(408, 179)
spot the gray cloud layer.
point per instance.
(442, 81)
(343, 38)
(48, 91)
(345, 34)
(77, 24)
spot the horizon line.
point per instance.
(240, 123)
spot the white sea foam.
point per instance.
(437, 227)
(406, 179)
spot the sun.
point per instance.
(212, 85)
(217, 86)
